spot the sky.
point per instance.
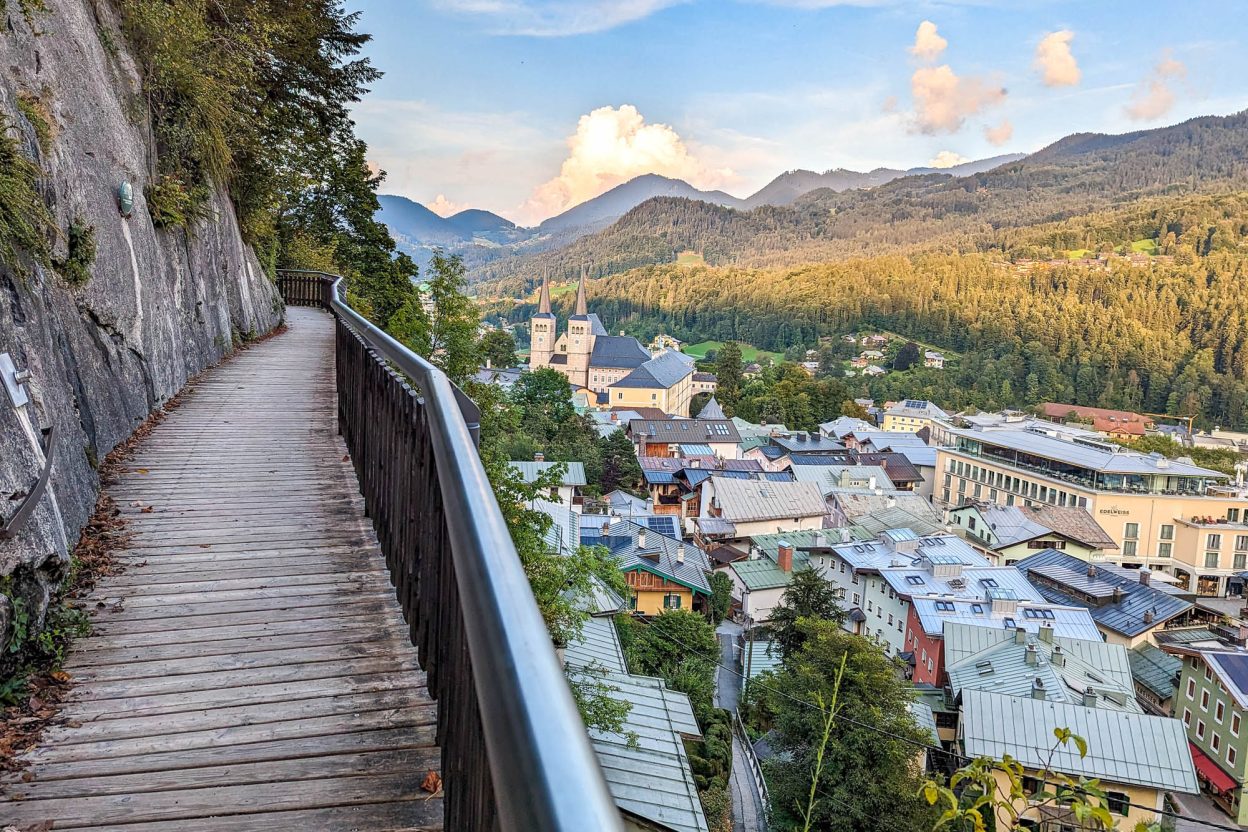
(528, 107)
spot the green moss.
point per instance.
(31, 9)
(172, 202)
(35, 110)
(76, 265)
(24, 219)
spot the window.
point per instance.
(1215, 742)
(970, 523)
(1164, 549)
(1208, 673)
(944, 606)
(1241, 560)
(1241, 543)
(1200, 729)
(1131, 530)
(1118, 802)
(1232, 515)
(1219, 710)
(1129, 548)
(1191, 688)
(914, 580)
(1230, 755)
(1204, 700)
(1213, 541)
(990, 583)
(1235, 723)
(1167, 531)
(1211, 560)
(890, 623)
(1187, 717)
(1009, 623)
(671, 602)
(857, 599)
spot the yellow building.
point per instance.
(665, 382)
(911, 416)
(663, 573)
(1146, 503)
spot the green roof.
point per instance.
(761, 574)
(1155, 669)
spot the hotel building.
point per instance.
(1166, 514)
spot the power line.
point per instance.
(919, 744)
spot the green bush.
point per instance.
(76, 265)
(35, 110)
(171, 202)
(24, 219)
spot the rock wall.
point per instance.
(160, 305)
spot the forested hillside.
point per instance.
(1167, 333)
(1074, 176)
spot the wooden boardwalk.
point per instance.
(250, 670)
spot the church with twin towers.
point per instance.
(615, 371)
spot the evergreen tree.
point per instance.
(728, 370)
(499, 348)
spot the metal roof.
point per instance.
(1232, 670)
(832, 476)
(564, 534)
(764, 658)
(1123, 747)
(754, 500)
(659, 555)
(867, 527)
(1095, 456)
(645, 764)
(530, 471)
(925, 719)
(807, 442)
(994, 661)
(972, 582)
(843, 426)
(1155, 669)
(665, 370)
(1050, 569)
(918, 409)
(678, 431)
(618, 351)
(763, 571)
(1071, 622)
(710, 410)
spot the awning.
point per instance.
(857, 615)
(1211, 772)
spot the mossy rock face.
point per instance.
(110, 315)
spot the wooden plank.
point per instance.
(251, 670)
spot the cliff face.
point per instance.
(160, 304)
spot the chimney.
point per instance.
(1037, 689)
(1089, 698)
(1146, 575)
(488, 364)
(892, 502)
(641, 538)
(615, 417)
(846, 536)
(784, 556)
(606, 529)
(1020, 635)
(1149, 616)
(539, 457)
(1046, 633)
(680, 553)
(1058, 658)
(1117, 595)
(1031, 656)
(871, 483)
(1091, 571)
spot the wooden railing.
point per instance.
(515, 753)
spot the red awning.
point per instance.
(1210, 771)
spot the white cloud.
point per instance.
(610, 146)
(1055, 62)
(1154, 96)
(556, 18)
(943, 101)
(444, 207)
(1000, 134)
(928, 45)
(947, 159)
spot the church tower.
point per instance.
(580, 339)
(542, 330)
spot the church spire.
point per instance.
(543, 300)
(582, 308)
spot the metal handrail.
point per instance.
(544, 772)
(14, 524)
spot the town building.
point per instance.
(572, 479)
(911, 416)
(759, 582)
(665, 382)
(1122, 425)
(704, 382)
(757, 507)
(1127, 610)
(644, 763)
(1156, 676)
(1167, 514)
(1135, 774)
(1007, 534)
(664, 573)
(930, 614)
(1212, 704)
(933, 360)
(664, 437)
